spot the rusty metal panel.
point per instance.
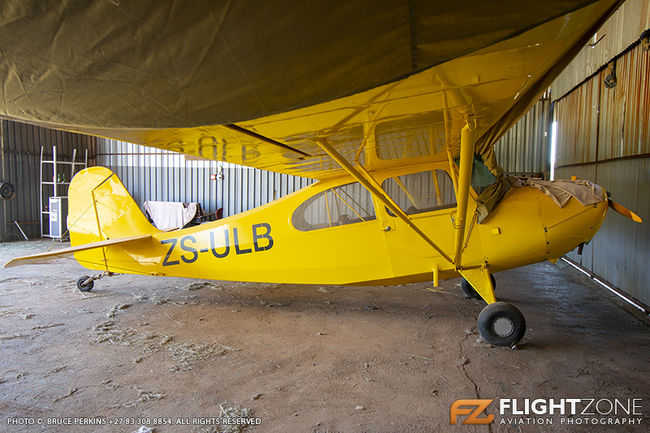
(625, 108)
(577, 125)
(622, 29)
(525, 147)
(622, 248)
(620, 253)
(154, 174)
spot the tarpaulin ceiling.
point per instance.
(161, 64)
(169, 74)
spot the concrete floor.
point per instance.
(301, 358)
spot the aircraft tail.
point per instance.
(107, 229)
(101, 209)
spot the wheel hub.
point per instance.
(503, 327)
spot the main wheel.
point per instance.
(501, 324)
(83, 286)
(469, 291)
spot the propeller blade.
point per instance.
(624, 211)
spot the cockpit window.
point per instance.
(421, 192)
(345, 204)
(481, 176)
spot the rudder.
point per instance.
(100, 208)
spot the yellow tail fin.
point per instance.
(101, 209)
(103, 221)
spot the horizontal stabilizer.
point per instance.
(66, 252)
(624, 211)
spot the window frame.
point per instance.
(442, 211)
(332, 188)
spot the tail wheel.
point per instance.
(83, 286)
(501, 324)
(469, 291)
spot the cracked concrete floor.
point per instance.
(302, 358)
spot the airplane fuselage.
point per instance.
(300, 239)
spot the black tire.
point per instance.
(7, 190)
(501, 324)
(84, 287)
(469, 291)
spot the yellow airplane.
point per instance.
(408, 188)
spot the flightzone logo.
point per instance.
(541, 411)
(471, 409)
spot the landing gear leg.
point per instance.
(481, 282)
(469, 291)
(500, 323)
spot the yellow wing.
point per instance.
(386, 83)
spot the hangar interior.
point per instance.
(333, 358)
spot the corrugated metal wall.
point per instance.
(620, 31)
(153, 174)
(603, 135)
(21, 147)
(525, 148)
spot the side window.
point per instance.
(345, 204)
(481, 176)
(421, 192)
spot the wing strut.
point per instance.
(263, 138)
(467, 142)
(377, 192)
